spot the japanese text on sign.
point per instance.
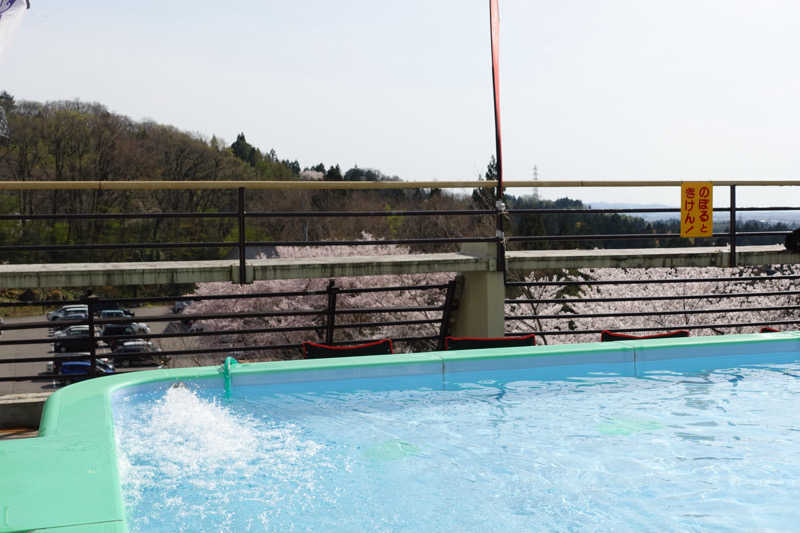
(697, 215)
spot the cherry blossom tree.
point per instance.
(316, 303)
(567, 314)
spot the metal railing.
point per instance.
(751, 306)
(320, 324)
(241, 216)
(242, 219)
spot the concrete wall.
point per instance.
(473, 258)
(21, 410)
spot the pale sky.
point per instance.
(590, 88)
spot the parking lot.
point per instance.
(45, 350)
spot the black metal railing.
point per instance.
(325, 323)
(573, 308)
(241, 220)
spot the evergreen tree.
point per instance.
(334, 174)
(7, 102)
(244, 150)
(484, 198)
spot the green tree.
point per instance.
(334, 174)
(7, 102)
(244, 150)
(484, 198)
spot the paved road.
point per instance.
(45, 350)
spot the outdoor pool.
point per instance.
(681, 434)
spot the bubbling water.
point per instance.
(182, 439)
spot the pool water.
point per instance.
(689, 451)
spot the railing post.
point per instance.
(732, 229)
(447, 313)
(242, 239)
(331, 319)
(91, 302)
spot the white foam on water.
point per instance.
(183, 440)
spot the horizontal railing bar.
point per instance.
(117, 216)
(375, 310)
(670, 328)
(385, 310)
(17, 342)
(544, 211)
(42, 377)
(375, 213)
(397, 213)
(393, 323)
(393, 288)
(52, 358)
(604, 236)
(156, 299)
(289, 185)
(645, 281)
(637, 236)
(165, 299)
(652, 298)
(253, 314)
(661, 182)
(377, 185)
(215, 332)
(251, 214)
(41, 324)
(570, 316)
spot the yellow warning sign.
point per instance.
(697, 214)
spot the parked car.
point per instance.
(108, 314)
(72, 371)
(137, 353)
(78, 342)
(74, 329)
(110, 305)
(133, 328)
(63, 312)
(112, 310)
(55, 366)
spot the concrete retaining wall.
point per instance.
(22, 410)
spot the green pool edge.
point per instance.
(66, 479)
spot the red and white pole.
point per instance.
(494, 20)
(500, 207)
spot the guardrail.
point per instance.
(243, 219)
(320, 324)
(241, 215)
(718, 305)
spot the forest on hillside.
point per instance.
(74, 140)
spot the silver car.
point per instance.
(68, 310)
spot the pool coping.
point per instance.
(67, 477)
